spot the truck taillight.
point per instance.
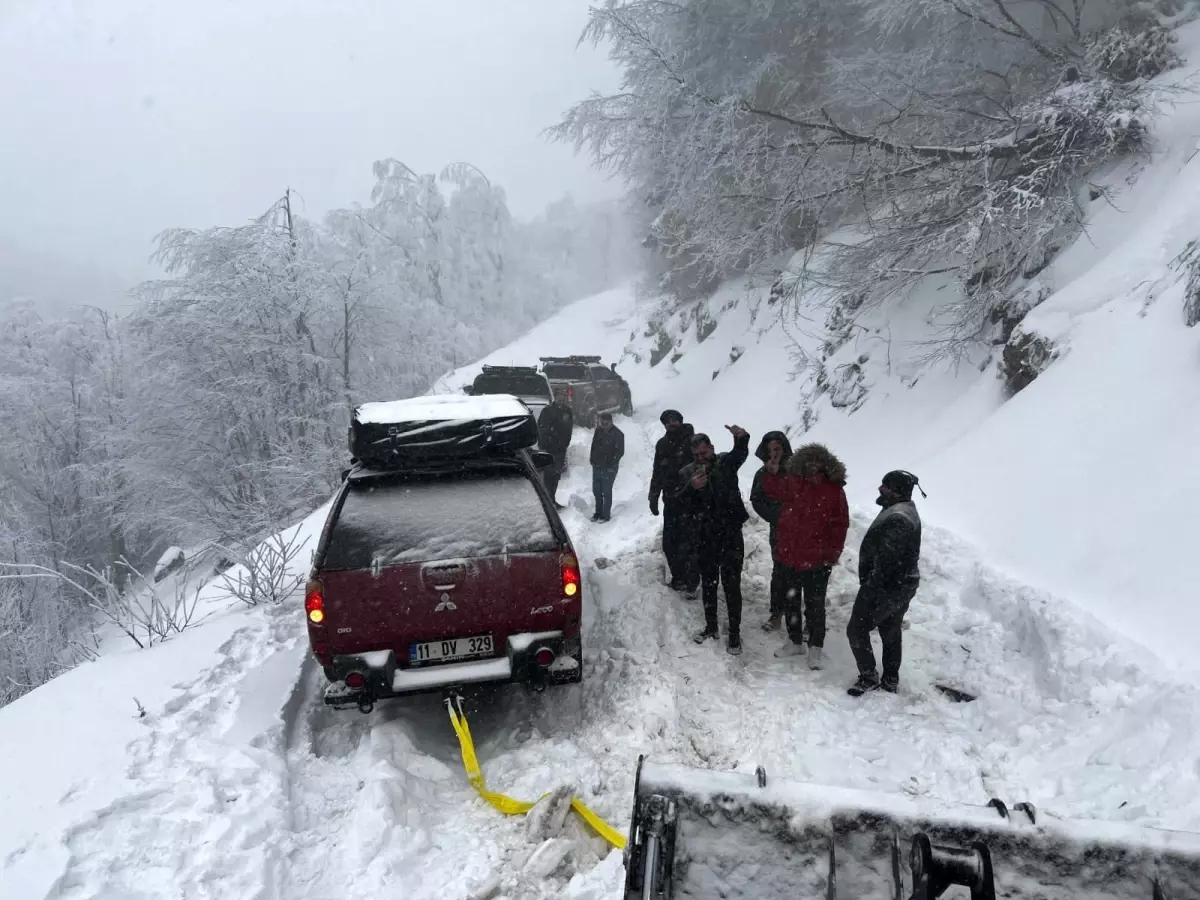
(570, 575)
(314, 601)
(570, 392)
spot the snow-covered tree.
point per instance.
(935, 134)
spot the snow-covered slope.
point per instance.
(1082, 484)
(1058, 528)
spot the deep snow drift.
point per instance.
(1077, 499)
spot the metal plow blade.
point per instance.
(702, 834)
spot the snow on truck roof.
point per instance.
(445, 407)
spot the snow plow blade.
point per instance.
(701, 834)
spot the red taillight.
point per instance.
(544, 657)
(314, 601)
(570, 392)
(356, 680)
(570, 575)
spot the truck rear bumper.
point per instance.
(384, 678)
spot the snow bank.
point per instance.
(117, 746)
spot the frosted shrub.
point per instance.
(1130, 53)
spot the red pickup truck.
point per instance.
(446, 568)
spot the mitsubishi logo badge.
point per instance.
(444, 604)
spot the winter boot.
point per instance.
(691, 593)
(890, 684)
(596, 517)
(864, 685)
(677, 585)
(708, 634)
(814, 657)
(788, 650)
(773, 623)
(733, 646)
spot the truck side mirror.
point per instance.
(542, 459)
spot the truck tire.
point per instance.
(588, 420)
(626, 404)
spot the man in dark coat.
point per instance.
(555, 425)
(887, 581)
(811, 535)
(713, 506)
(608, 446)
(773, 448)
(672, 452)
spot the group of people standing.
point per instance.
(802, 497)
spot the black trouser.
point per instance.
(720, 559)
(553, 472)
(863, 619)
(677, 545)
(804, 599)
(603, 478)
(778, 589)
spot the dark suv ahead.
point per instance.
(591, 387)
(441, 575)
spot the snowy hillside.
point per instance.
(1057, 588)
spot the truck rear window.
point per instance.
(409, 520)
(517, 385)
(565, 372)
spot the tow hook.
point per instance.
(366, 703)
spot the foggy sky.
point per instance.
(119, 118)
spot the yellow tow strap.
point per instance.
(508, 805)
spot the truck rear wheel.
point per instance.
(626, 404)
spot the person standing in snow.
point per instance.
(608, 446)
(555, 426)
(810, 537)
(712, 502)
(774, 447)
(888, 577)
(672, 452)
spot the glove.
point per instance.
(654, 506)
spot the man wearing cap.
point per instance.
(887, 582)
(672, 452)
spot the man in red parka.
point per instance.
(810, 537)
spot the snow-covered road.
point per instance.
(246, 786)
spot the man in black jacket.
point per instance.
(672, 452)
(774, 446)
(555, 425)
(887, 582)
(713, 506)
(608, 446)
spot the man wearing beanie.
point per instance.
(887, 581)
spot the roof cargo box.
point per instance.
(445, 426)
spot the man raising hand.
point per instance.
(712, 502)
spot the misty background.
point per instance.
(127, 117)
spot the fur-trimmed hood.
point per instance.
(832, 467)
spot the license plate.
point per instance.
(452, 648)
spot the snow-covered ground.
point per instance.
(1058, 587)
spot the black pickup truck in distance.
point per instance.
(525, 383)
(591, 387)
